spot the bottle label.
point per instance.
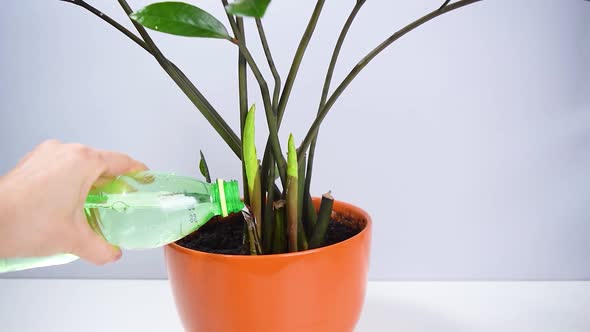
(180, 202)
(177, 201)
(192, 215)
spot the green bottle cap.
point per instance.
(227, 195)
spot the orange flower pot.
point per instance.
(320, 290)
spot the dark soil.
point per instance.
(338, 232)
(219, 236)
(226, 235)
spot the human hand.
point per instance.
(42, 201)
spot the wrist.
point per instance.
(6, 201)
(9, 208)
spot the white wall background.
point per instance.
(468, 141)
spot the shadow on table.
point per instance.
(389, 315)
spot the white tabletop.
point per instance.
(147, 305)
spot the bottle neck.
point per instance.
(226, 195)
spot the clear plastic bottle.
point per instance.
(146, 210)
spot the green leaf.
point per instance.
(181, 19)
(252, 8)
(292, 169)
(249, 150)
(204, 168)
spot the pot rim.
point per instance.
(338, 205)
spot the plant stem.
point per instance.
(270, 117)
(232, 21)
(176, 74)
(324, 214)
(271, 64)
(444, 4)
(110, 21)
(329, 74)
(292, 196)
(365, 61)
(256, 202)
(267, 159)
(267, 227)
(243, 95)
(188, 88)
(208, 111)
(298, 58)
(300, 193)
(253, 239)
(310, 214)
(301, 230)
(302, 243)
(292, 218)
(278, 243)
(242, 78)
(303, 43)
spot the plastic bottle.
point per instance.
(146, 210)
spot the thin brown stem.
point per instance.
(365, 61)
(232, 21)
(268, 222)
(270, 116)
(326, 88)
(290, 81)
(110, 21)
(243, 96)
(298, 58)
(189, 89)
(444, 4)
(271, 64)
(177, 75)
(324, 214)
(279, 244)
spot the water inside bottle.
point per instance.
(142, 220)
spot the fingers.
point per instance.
(90, 247)
(116, 163)
(96, 164)
(24, 159)
(101, 181)
(47, 144)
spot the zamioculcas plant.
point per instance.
(276, 185)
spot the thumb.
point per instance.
(91, 247)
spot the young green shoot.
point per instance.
(292, 195)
